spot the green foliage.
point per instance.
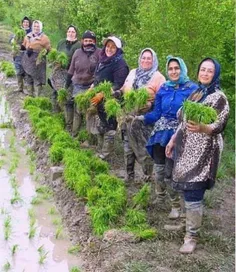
(41, 56)
(62, 59)
(141, 199)
(198, 112)
(83, 100)
(42, 103)
(52, 55)
(8, 68)
(19, 34)
(112, 108)
(83, 135)
(134, 100)
(62, 96)
(104, 87)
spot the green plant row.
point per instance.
(7, 68)
(198, 112)
(88, 176)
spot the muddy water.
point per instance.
(42, 252)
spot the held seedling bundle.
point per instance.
(55, 57)
(41, 56)
(198, 112)
(134, 100)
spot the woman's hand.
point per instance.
(97, 99)
(198, 128)
(170, 147)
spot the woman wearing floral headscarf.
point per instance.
(33, 63)
(167, 102)
(197, 150)
(135, 134)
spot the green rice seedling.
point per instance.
(62, 59)
(23, 143)
(32, 231)
(13, 165)
(12, 142)
(75, 269)
(141, 199)
(52, 211)
(108, 182)
(6, 266)
(82, 185)
(112, 108)
(74, 249)
(7, 227)
(146, 233)
(3, 210)
(3, 152)
(14, 249)
(106, 88)
(42, 103)
(42, 255)
(83, 100)
(36, 200)
(16, 197)
(59, 232)
(41, 56)
(52, 55)
(2, 162)
(83, 135)
(135, 217)
(14, 183)
(32, 166)
(44, 191)
(6, 125)
(130, 100)
(62, 96)
(94, 194)
(31, 213)
(199, 113)
(19, 34)
(56, 221)
(141, 97)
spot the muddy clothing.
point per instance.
(36, 73)
(69, 48)
(83, 66)
(197, 155)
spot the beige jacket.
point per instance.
(152, 87)
(36, 43)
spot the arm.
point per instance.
(154, 85)
(153, 116)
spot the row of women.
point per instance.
(185, 154)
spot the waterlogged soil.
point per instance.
(115, 251)
(15, 233)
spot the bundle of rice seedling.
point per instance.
(19, 35)
(41, 56)
(104, 87)
(62, 96)
(52, 55)
(142, 96)
(112, 108)
(130, 101)
(199, 112)
(62, 59)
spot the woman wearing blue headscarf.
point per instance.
(197, 150)
(168, 100)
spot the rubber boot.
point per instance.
(194, 213)
(30, 90)
(108, 144)
(130, 164)
(38, 90)
(20, 82)
(69, 114)
(147, 169)
(77, 121)
(55, 106)
(160, 185)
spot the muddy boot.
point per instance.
(29, 90)
(20, 82)
(194, 213)
(69, 114)
(38, 91)
(55, 106)
(130, 163)
(160, 186)
(147, 170)
(108, 144)
(77, 121)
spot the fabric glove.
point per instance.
(29, 52)
(97, 99)
(140, 118)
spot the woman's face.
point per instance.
(25, 24)
(110, 48)
(206, 72)
(71, 34)
(36, 28)
(173, 70)
(146, 60)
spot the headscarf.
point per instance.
(27, 30)
(40, 27)
(76, 32)
(114, 58)
(143, 76)
(183, 78)
(204, 90)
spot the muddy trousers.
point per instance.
(142, 157)
(20, 83)
(34, 87)
(106, 144)
(73, 118)
(55, 106)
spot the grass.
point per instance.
(16, 197)
(52, 211)
(56, 221)
(3, 152)
(75, 269)
(44, 191)
(74, 249)
(36, 200)
(42, 255)
(59, 232)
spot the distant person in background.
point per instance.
(135, 134)
(197, 150)
(33, 62)
(58, 76)
(81, 76)
(16, 42)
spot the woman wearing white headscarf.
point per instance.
(134, 133)
(33, 64)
